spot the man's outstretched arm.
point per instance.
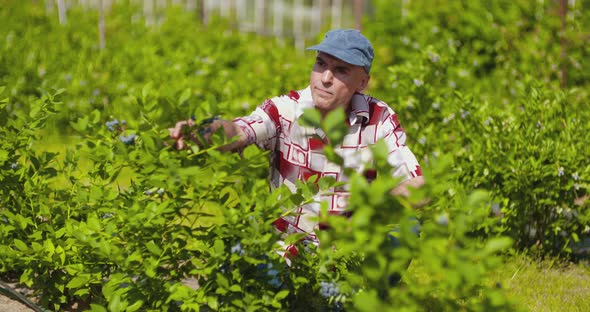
(230, 129)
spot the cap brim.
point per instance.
(337, 53)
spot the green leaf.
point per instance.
(61, 253)
(81, 124)
(20, 245)
(282, 294)
(153, 248)
(311, 118)
(26, 278)
(222, 281)
(219, 247)
(366, 301)
(3, 155)
(82, 292)
(49, 247)
(326, 182)
(97, 308)
(477, 199)
(59, 91)
(37, 248)
(212, 302)
(147, 88)
(115, 305)
(229, 196)
(575, 237)
(498, 244)
(135, 306)
(335, 126)
(186, 94)
(95, 116)
(78, 281)
(295, 237)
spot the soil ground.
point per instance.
(10, 305)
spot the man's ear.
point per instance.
(364, 83)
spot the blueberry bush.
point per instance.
(486, 87)
(116, 219)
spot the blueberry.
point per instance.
(274, 274)
(443, 219)
(328, 290)
(496, 209)
(128, 140)
(110, 126)
(237, 249)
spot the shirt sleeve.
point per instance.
(400, 156)
(262, 126)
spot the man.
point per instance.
(339, 75)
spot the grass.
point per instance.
(547, 285)
(539, 285)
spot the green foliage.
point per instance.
(193, 66)
(118, 220)
(484, 86)
(366, 254)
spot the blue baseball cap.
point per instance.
(348, 45)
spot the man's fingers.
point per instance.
(171, 133)
(176, 132)
(179, 144)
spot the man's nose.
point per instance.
(327, 76)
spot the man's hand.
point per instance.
(413, 183)
(402, 188)
(184, 130)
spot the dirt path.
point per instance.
(9, 305)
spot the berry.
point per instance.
(112, 124)
(328, 290)
(443, 219)
(237, 249)
(128, 140)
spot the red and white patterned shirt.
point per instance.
(297, 152)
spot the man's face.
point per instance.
(333, 82)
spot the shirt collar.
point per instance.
(359, 110)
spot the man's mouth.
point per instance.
(323, 91)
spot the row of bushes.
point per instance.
(486, 87)
(118, 220)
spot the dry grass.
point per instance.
(538, 285)
(548, 285)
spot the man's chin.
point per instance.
(322, 106)
(324, 109)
